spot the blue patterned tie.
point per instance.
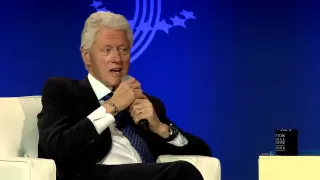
(132, 133)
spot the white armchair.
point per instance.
(19, 145)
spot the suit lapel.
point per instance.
(90, 103)
(86, 92)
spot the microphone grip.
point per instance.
(144, 124)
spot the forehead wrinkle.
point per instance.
(113, 37)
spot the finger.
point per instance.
(144, 104)
(140, 117)
(136, 119)
(136, 116)
(146, 114)
(138, 93)
(139, 101)
(138, 107)
(135, 85)
(132, 113)
(131, 109)
(123, 85)
(140, 104)
(135, 102)
(131, 80)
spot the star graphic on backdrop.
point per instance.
(178, 22)
(96, 4)
(145, 27)
(187, 15)
(163, 25)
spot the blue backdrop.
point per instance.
(228, 71)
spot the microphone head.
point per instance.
(125, 78)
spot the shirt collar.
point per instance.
(99, 89)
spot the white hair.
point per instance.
(104, 19)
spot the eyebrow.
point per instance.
(107, 46)
(121, 45)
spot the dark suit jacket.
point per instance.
(69, 138)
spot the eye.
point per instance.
(124, 50)
(107, 50)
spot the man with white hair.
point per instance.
(90, 128)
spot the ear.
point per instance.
(86, 56)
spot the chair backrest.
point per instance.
(18, 126)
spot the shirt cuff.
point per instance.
(179, 141)
(101, 119)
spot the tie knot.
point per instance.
(107, 97)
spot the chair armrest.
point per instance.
(20, 168)
(209, 167)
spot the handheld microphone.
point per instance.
(143, 123)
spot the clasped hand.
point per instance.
(129, 96)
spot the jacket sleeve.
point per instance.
(195, 145)
(64, 137)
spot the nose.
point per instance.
(116, 57)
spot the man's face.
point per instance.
(109, 57)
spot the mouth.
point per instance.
(116, 72)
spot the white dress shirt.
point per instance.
(121, 151)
